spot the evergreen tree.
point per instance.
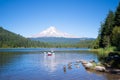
(117, 16)
(116, 37)
(109, 33)
(11, 40)
(106, 31)
(96, 43)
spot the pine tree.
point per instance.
(106, 30)
(116, 37)
(117, 16)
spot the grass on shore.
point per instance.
(103, 52)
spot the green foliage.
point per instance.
(104, 51)
(95, 43)
(12, 40)
(117, 16)
(113, 60)
(80, 44)
(108, 40)
(84, 44)
(116, 37)
(106, 31)
(58, 40)
(109, 33)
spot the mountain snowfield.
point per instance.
(53, 32)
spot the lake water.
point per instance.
(33, 64)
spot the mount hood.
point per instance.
(53, 32)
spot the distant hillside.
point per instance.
(11, 40)
(61, 40)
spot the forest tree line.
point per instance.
(11, 40)
(109, 32)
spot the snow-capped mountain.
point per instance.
(53, 32)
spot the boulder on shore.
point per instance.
(83, 61)
(100, 68)
(88, 65)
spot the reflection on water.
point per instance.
(39, 66)
(50, 62)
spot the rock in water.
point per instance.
(88, 65)
(100, 68)
(83, 62)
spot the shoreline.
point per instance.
(99, 67)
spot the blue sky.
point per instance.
(78, 17)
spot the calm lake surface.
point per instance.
(34, 64)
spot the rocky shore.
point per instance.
(92, 65)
